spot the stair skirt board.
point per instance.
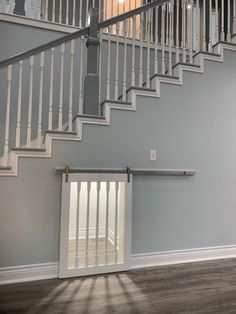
(218, 55)
(43, 271)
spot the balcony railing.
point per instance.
(73, 13)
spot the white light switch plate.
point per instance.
(153, 155)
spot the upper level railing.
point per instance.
(68, 12)
(44, 88)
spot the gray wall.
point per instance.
(191, 127)
(17, 38)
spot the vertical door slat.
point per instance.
(87, 224)
(116, 223)
(77, 229)
(97, 223)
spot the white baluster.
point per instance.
(217, 21)
(133, 52)
(123, 24)
(222, 33)
(234, 16)
(60, 12)
(39, 10)
(146, 23)
(32, 9)
(117, 62)
(19, 103)
(148, 49)
(29, 126)
(228, 23)
(7, 7)
(167, 23)
(60, 114)
(116, 223)
(125, 61)
(104, 10)
(108, 87)
(53, 10)
(100, 65)
(156, 41)
(8, 109)
(67, 12)
(80, 14)
(198, 30)
(129, 21)
(87, 224)
(107, 221)
(191, 32)
(40, 108)
(73, 14)
(77, 226)
(177, 31)
(46, 11)
(204, 44)
(171, 38)
(97, 222)
(184, 30)
(141, 52)
(51, 90)
(70, 115)
(163, 9)
(210, 26)
(81, 71)
(86, 14)
(151, 22)
(112, 8)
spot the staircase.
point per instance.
(50, 92)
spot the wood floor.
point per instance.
(206, 287)
(91, 252)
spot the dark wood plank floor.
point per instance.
(206, 287)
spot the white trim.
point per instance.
(51, 270)
(28, 273)
(27, 21)
(182, 256)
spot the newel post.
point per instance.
(19, 8)
(91, 84)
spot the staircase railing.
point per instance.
(67, 12)
(41, 90)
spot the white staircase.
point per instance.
(41, 146)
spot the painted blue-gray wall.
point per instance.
(16, 38)
(193, 126)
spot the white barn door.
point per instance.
(95, 224)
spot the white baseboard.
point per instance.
(182, 256)
(82, 233)
(28, 273)
(92, 233)
(50, 270)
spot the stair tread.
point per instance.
(224, 42)
(207, 53)
(165, 76)
(5, 168)
(26, 149)
(142, 88)
(87, 116)
(187, 64)
(61, 132)
(119, 102)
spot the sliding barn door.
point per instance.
(95, 224)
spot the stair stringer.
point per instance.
(108, 106)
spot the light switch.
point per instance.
(153, 155)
